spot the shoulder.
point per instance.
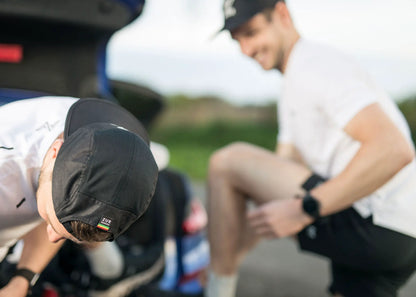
(309, 57)
(323, 70)
(40, 102)
(31, 109)
(26, 120)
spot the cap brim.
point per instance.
(231, 25)
(89, 111)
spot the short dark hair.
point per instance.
(268, 11)
(88, 233)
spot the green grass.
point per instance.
(408, 108)
(191, 141)
(191, 146)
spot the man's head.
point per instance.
(263, 28)
(98, 179)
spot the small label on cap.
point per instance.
(104, 224)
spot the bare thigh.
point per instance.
(261, 174)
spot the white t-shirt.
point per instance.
(27, 130)
(322, 91)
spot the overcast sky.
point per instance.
(171, 47)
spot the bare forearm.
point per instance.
(37, 253)
(38, 250)
(373, 165)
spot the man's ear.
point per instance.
(55, 147)
(51, 154)
(282, 12)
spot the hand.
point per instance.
(279, 218)
(17, 287)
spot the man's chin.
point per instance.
(266, 67)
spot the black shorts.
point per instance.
(366, 260)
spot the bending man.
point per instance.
(71, 169)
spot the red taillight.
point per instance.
(11, 53)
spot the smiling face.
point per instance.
(268, 37)
(259, 40)
(55, 230)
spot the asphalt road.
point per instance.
(277, 269)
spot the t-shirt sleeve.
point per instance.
(284, 134)
(346, 98)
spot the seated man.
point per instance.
(88, 177)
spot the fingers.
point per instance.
(276, 219)
(256, 213)
(266, 233)
(257, 218)
(260, 222)
(257, 221)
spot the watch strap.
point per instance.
(28, 274)
(312, 182)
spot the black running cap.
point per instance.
(105, 174)
(237, 12)
(88, 111)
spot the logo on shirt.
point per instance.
(311, 232)
(48, 126)
(229, 9)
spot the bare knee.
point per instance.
(221, 162)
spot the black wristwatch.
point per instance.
(311, 206)
(31, 276)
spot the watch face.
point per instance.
(311, 206)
